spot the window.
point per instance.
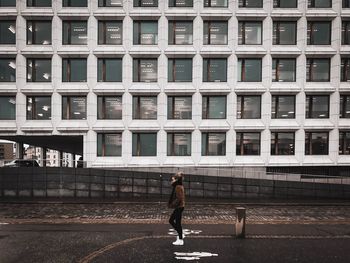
(144, 144)
(74, 70)
(283, 107)
(7, 108)
(250, 3)
(38, 70)
(345, 33)
(180, 107)
(345, 69)
(344, 142)
(145, 70)
(179, 144)
(319, 3)
(5, 3)
(316, 143)
(180, 32)
(145, 33)
(317, 106)
(213, 143)
(214, 107)
(39, 33)
(284, 33)
(74, 3)
(179, 69)
(74, 33)
(346, 4)
(7, 70)
(38, 108)
(109, 107)
(145, 3)
(110, 32)
(249, 69)
(144, 108)
(248, 107)
(285, 3)
(214, 69)
(180, 3)
(7, 32)
(248, 143)
(319, 33)
(73, 108)
(318, 69)
(109, 144)
(249, 33)
(215, 33)
(282, 143)
(283, 70)
(110, 3)
(39, 3)
(344, 106)
(215, 3)
(110, 70)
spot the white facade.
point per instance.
(127, 88)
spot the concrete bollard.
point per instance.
(240, 222)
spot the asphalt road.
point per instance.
(152, 243)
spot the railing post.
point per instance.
(240, 222)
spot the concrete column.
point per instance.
(44, 156)
(19, 150)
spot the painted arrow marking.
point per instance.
(193, 255)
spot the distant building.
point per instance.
(6, 151)
(52, 157)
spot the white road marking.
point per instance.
(3, 223)
(187, 232)
(193, 255)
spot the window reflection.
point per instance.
(74, 70)
(282, 143)
(249, 33)
(248, 107)
(344, 142)
(284, 33)
(75, 33)
(7, 32)
(283, 107)
(179, 69)
(144, 108)
(39, 108)
(215, 33)
(249, 70)
(179, 144)
(215, 70)
(319, 33)
(318, 69)
(283, 70)
(344, 111)
(214, 107)
(109, 107)
(248, 143)
(213, 143)
(7, 108)
(179, 107)
(38, 70)
(73, 108)
(109, 144)
(109, 70)
(317, 106)
(145, 70)
(316, 143)
(144, 144)
(7, 70)
(180, 32)
(110, 32)
(180, 3)
(110, 3)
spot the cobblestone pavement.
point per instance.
(158, 213)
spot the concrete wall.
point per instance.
(98, 183)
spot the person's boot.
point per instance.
(178, 242)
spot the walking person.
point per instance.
(177, 201)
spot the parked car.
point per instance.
(22, 163)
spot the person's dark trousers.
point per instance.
(175, 220)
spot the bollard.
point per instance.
(240, 222)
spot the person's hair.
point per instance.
(179, 177)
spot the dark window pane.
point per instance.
(179, 70)
(180, 33)
(215, 3)
(145, 3)
(345, 33)
(38, 108)
(344, 142)
(73, 108)
(109, 108)
(248, 143)
(180, 3)
(74, 70)
(283, 70)
(145, 70)
(109, 69)
(179, 144)
(110, 32)
(4, 3)
(38, 70)
(179, 107)
(285, 3)
(346, 4)
(316, 143)
(215, 33)
(109, 144)
(144, 144)
(319, 33)
(318, 69)
(249, 33)
(74, 3)
(110, 3)
(317, 106)
(249, 70)
(145, 33)
(345, 69)
(7, 32)
(284, 33)
(74, 33)
(319, 3)
(283, 107)
(39, 3)
(7, 70)
(215, 70)
(214, 107)
(248, 107)
(250, 3)
(213, 144)
(144, 108)
(344, 106)
(39, 32)
(282, 143)
(7, 108)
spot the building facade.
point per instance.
(6, 151)
(180, 82)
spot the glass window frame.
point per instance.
(344, 106)
(104, 3)
(276, 37)
(240, 149)
(101, 140)
(31, 115)
(207, 75)
(241, 99)
(12, 113)
(137, 77)
(209, 4)
(310, 62)
(275, 143)
(3, 39)
(172, 3)
(206, 101)
(33, 3)
(101, 104)
(345, 32)
(103, 24)
(32, 35)
(276, 61)
(344, 142)
(242, 62)
(172, 63)
(6, 5)
(69, 107)
(138, 24)
(346, 4)
(69, 70)
(171, 109)
(34, 69)
(171, 143)
(207, 25)
(206, 138)
(313, 4)
(138, 144)
(102, 73)
(139, 3)
(309, 143)
(345, 69)
(243, 4)
(172, 30)
(69, 36)
(9, 60)
(275, 113)
(309, 107)
(68, 3)
(277, 4)
(242, 33)
(311, 29)
(137, 107)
